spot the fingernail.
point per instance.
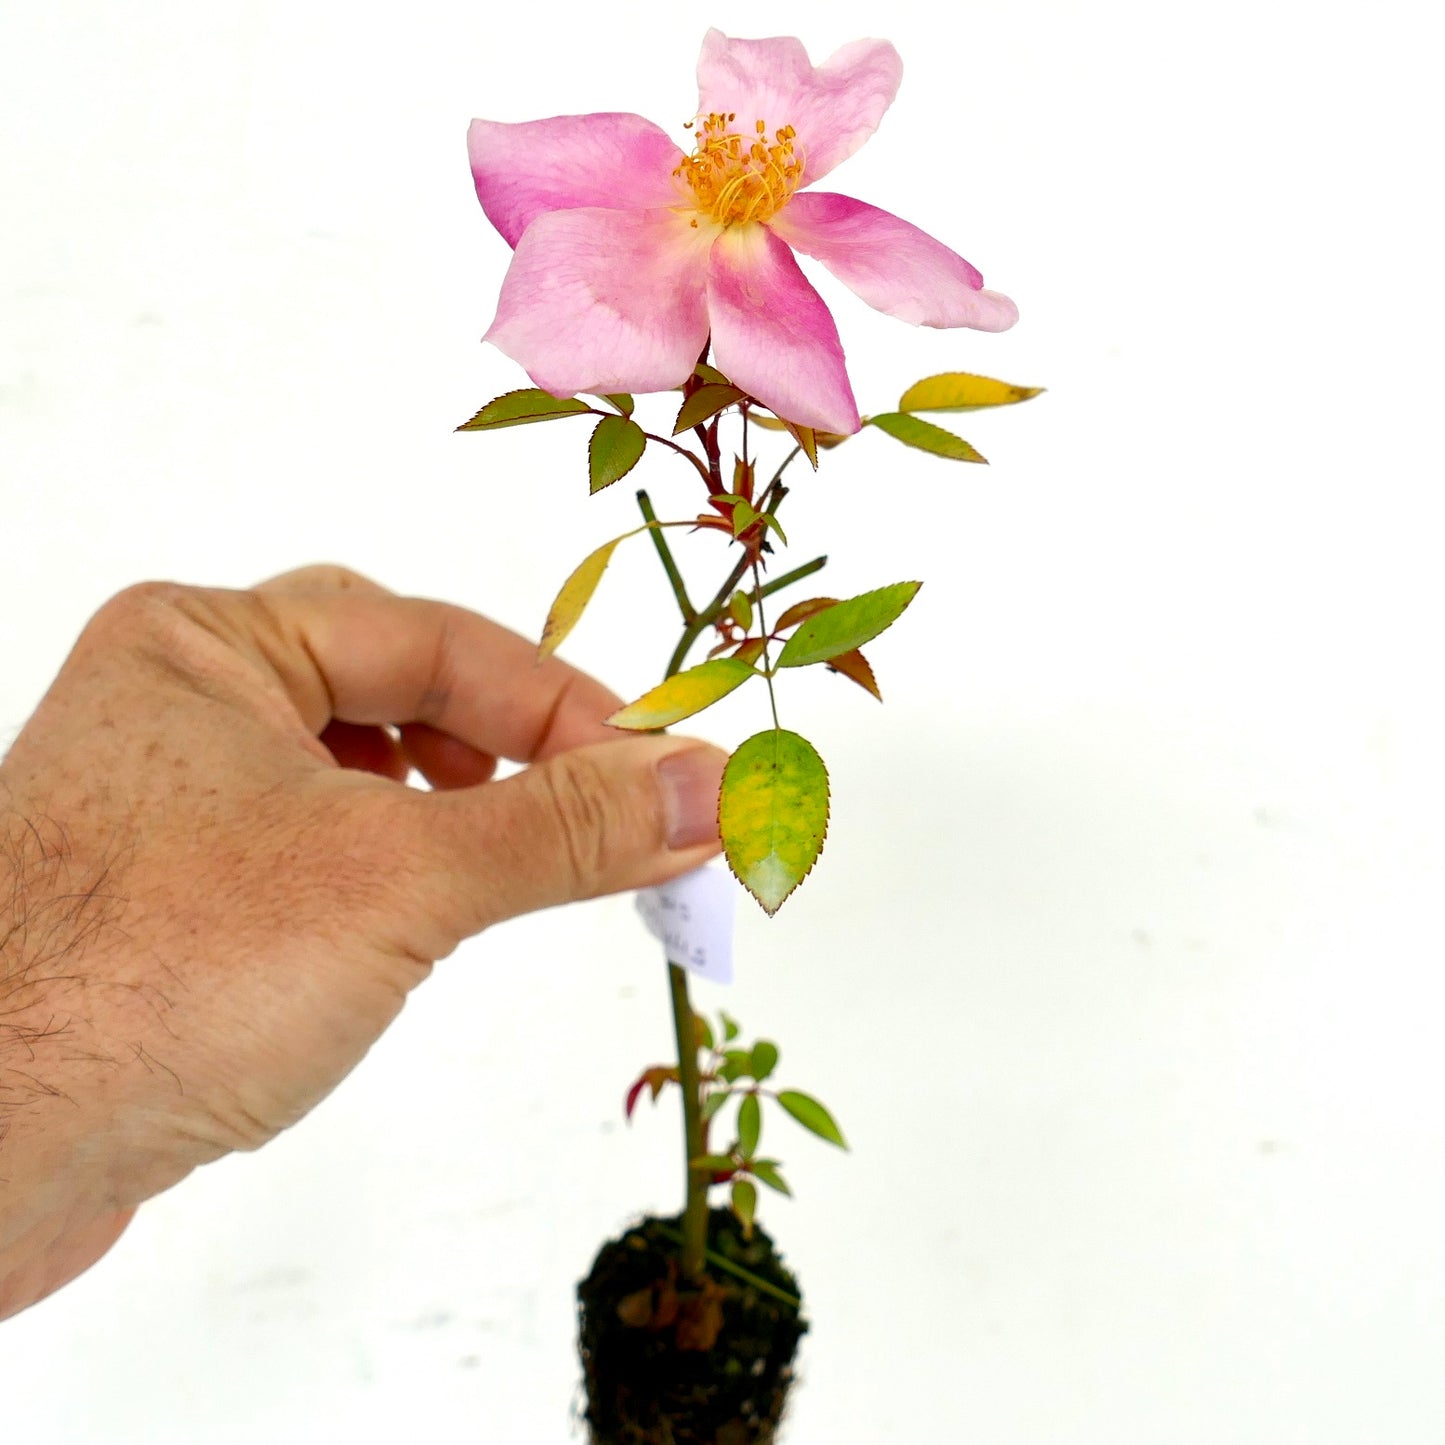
(690, 782)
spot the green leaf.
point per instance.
(812, 1115)
(846, 625)
(741, 608)
(765, 1059)
(730, 1025)
(735, 1064)
(705, 402)
(750, 1125)
(576, 593)
(744, 515)
(771, 521)
(914, 432)
(615, 448)
(712, 1163)
(962, 391)
(518, 408)
(702, 1030)
(765, 1171)
(710, 373)
(619, 399)
(683, 694)
(745, 1204)
(773, 813)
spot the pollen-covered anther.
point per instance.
(739, 178)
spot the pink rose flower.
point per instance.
(630, 254)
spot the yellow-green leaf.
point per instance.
(576, 593)
(705, 402)
(620, 399)
(741, 608)
(683, 694)
(518, 408)
(773, 813)
(846, 625)
(710, 373)
(812, 1115)
(745, 1204)
(962, 391)
(915, 432)
(617, 444)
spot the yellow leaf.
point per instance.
(962, 391)
(576, 593)
(683, 694)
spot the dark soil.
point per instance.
(666, 1364)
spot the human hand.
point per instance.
(220, 892)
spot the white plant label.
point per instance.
(693, 918)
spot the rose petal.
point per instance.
(834, 107)
(892, 265)
(772, 334)
(619, 161)
(600, 300)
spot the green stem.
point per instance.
(788, 578)
(694, 1216)
(689, 612)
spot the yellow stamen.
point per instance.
(736, 183)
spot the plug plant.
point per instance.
(655, 301)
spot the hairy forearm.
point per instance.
(54, 1221)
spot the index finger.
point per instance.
(346, 648)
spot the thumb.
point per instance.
(600, 819)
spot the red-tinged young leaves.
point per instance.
(682, 695)
(742, 477)
(519, 408)
(705, 403)
(765, 1059)
(854, 665)
(576, 593)
(812, 1116)
(765, 1171)
(773, 813)
(962, 391)
(616, 447)
(654, 1078)
(750, 650)
(800, 610)
(745, 1204)
(750, 1125)
(914, 432)
(846, 625)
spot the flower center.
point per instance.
(737, 178)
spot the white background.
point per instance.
(1122, 967)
